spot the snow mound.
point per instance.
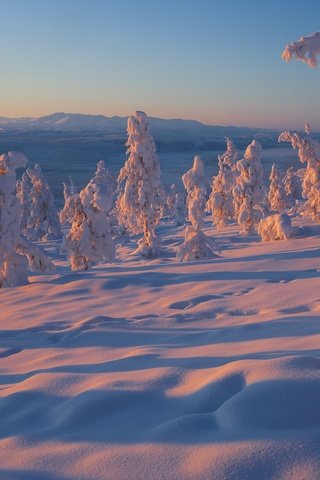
(276, 227)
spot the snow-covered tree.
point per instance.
(43, 221)
(248, 193)
(140, 190)
(16, 254)
(89, 240)
(220, 203)
(68, 189)
(305, 49)
(309, 153)
(278, 198)
(292, 185)
(23, 194)
(276, 227)
(180, 212)
(195, 185)
(196, 244)
(171, 200)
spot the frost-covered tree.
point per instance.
(171, 200)
(68, 189)
(220, 203)
(292, 185)
(43, 221)
(305, 49)
(278, 198)
(140, 190)
(89, 240)
(196, 244)
(16, 254)
(309, 153)
(195, 185)
(180, 212)
(276, 227)
(248, 193)
(23, 194)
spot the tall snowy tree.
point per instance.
(220, 203)
(16, 254)
(43, 221)
(309, 153)
(278, 198)
(196, 244)
(23, 188)
(248, 193)
(140, 190)
(89, 240)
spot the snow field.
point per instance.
(160, 369)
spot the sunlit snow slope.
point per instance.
(165, 370)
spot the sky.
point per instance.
(216, 61)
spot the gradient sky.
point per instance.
(217, 61)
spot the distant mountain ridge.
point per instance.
(115, 125)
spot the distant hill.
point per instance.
(163, 128)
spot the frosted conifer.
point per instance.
(89, 240)
(180, 212)
(16, 254)
(248, 193)
(43, 221)
(292, 185)
(309, 153)
(23, 194)
(278, 198)
(140, 191)
(220, 203)
(196, 244)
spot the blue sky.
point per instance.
(215, 61)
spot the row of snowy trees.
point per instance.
(237, 194)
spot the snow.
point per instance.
(305, 49)
(166, 370)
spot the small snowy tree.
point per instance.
(171, 200)
(276, 227)
(278, 198)
(43, 221)
(180, 212)
(196, 244)
(220, 203)
(23, 194)
(89, 240)
(305, 49)
(309, 153)
(68, 189)
(140, 190)
(248, 193)
(292, 185)
(15, 252)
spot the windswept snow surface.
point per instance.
(166, 370)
